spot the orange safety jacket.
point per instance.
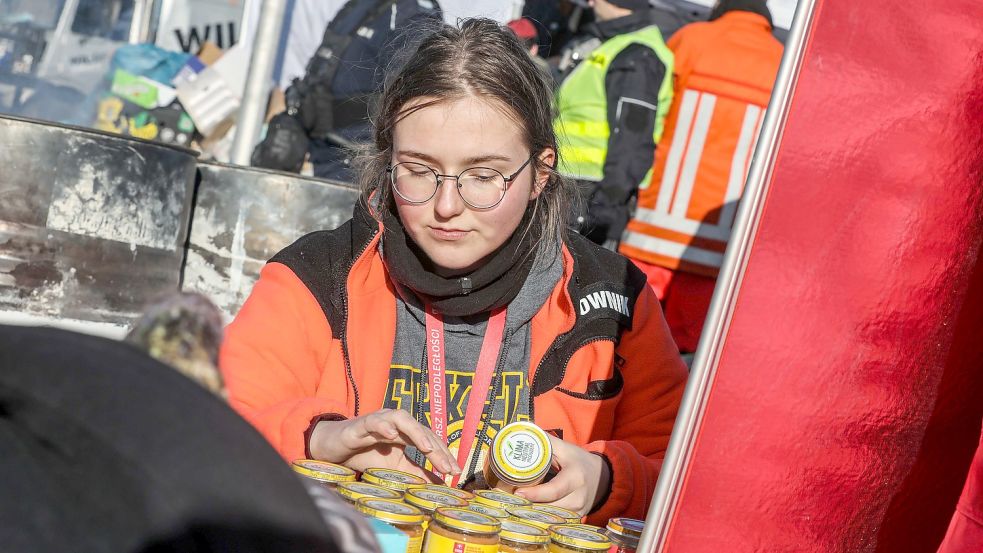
(316, 337)
(725, 70)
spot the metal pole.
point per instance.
(256, 92)
(686, 429)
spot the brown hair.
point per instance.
(482, 58)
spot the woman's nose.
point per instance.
(448, 202)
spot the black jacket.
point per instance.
(632, 84)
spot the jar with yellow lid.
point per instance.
(405, 518)
(429, 501)
(500, 499)
(322, 472)
(588, 527)
(493, 512)
(567, 539)
(353, 491)
(520, 455)
(519, 537)
(537, 518)
(567, 515)
(454, 530)
(624, 534)
(393, 479)
(456, 492)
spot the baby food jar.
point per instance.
(624, 534)
(535, 517)
(493, 512)
(570, 517)
(454, 530)
(405, 518)
(567, 539)
(429, 500)
(353, 491)
(393, 479)
(324, 473)
(519, 537)
(520, 455)
(456, 492)
(500, 499)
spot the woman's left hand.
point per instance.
(582, 480)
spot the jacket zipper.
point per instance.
(344, 332)
(532, 386)
(473, 461)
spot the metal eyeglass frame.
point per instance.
(390, 169)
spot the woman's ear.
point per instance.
(541, 178)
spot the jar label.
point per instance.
(436, 543)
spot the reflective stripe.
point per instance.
(739, 165)
(685, 226)
(673, 249)
(679, 141)
(698, 138)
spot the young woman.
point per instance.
(454, 301)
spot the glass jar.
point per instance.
(624, 534)
(353, 491)
(520, 455)
(406, 518)
(569, 539)
(456, 492)
(327, 474)
(393, 479)
(519, 537)
(500, 499)
(535, 517)
(493, 512)
(456, 530)
(567, 515)
(429, 500)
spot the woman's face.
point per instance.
(452, 136)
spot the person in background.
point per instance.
(455, 301)
(611, 107)
(327, 109)
(724, 73)
(528, 35)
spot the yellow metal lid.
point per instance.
(323, 471)
(566, 514)
(389, 510)
(535, 517)
(428, 500)
(493, 512)
(626, 527)
(521, 532)
(353, 491)
(456, 492)
(521, 452)
(465, 520)
(580, 538)
(394, 479)
(500, 499)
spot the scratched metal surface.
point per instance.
(92, 225)
(243, 216)
(848, 396)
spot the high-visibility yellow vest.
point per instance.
(582, 106)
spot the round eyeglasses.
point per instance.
(479, 187)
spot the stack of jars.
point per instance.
(441, 519)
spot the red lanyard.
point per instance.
(487, 359)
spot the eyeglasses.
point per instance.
(479, 187)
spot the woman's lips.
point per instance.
(448, 234)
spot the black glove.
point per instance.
(284, 147)
(604, 220)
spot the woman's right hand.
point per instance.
(378, 440)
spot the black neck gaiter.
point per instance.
(492, 285)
